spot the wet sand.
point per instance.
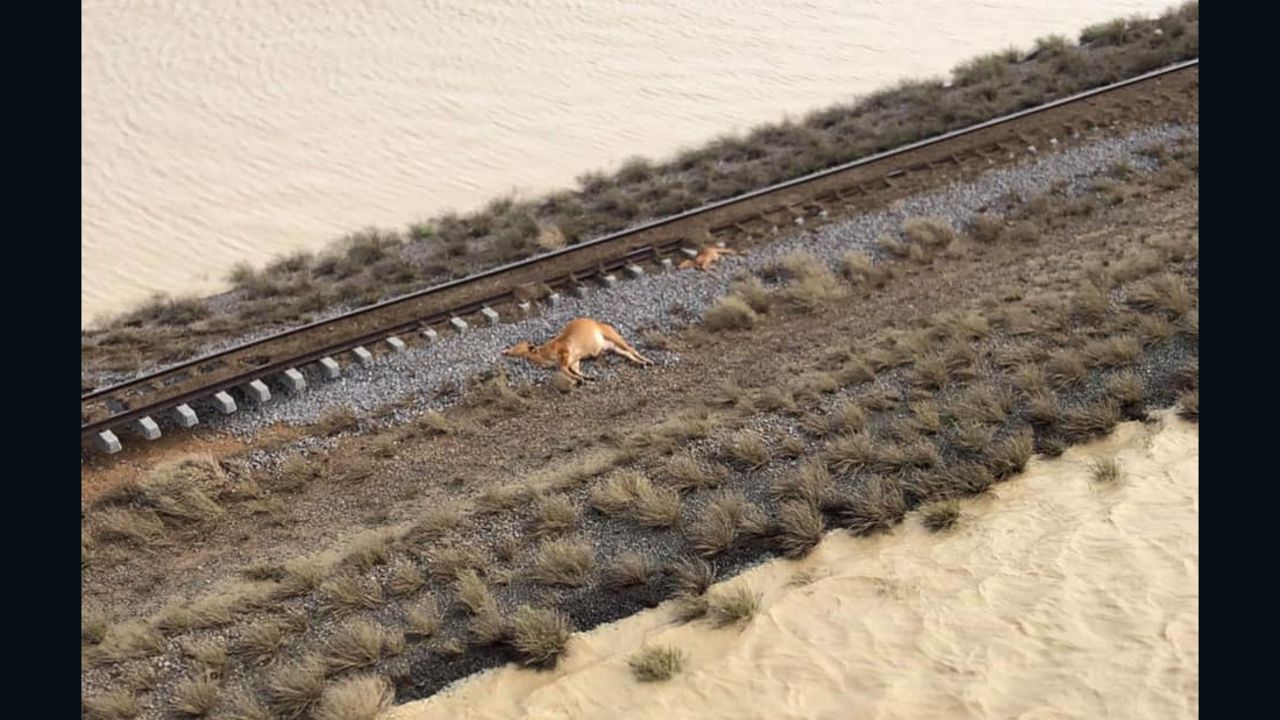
(1053, 597)
(221, 132)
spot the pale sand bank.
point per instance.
(1054, 597)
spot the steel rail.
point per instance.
(499, 284)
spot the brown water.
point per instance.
(1053, 598)
(214, 132)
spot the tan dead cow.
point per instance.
(581, 339)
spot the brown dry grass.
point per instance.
(540, 635)
(363, 697)
(563, 562)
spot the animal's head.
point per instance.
(522, 349)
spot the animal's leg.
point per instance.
(622, 347)
(569, 366)
(685, 265)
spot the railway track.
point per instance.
(225, 380)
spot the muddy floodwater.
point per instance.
(215, 132)
(1053, 597)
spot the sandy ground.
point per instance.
(221, 132)
(1053, 597)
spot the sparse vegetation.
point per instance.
(800, 527)
(875, 504)
(564, 562)
(114, 704)
(295, 687)
(358, 643)
(554, 515)
(729, 313)
(348, 593)
(195, 697)
(1106, 471)
(540, 635)
(655, 663)
(1189, 405)
(631, 569)
(734, 605)
(940, 515)
(363, 697)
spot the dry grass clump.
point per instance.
(656, 507)
(1009, 455)
(501, 498)
(1127, 389)
(655, 663)
(125, 524)
(1106, 471)
(434, 422)
(811, 284)
(1189, 405)
(93, 626)
(972, 436)
(634, 496)
(983, 404)
(363, 697)
(751, 291)
(848, 452)
(689, 474)
(1043, 409)
(954, 481)
(877, 503)
(858, 268)
(540, 635)
(791, 447)
(1113, 352)
(1031, 380)
(260, 642)
(748, 449)
(940, 515)
(810, 483)
(209, 655)
(1165, 293)
(301, 577)
(554, 515)
(893, 246)
(1023, 231)
(1090, 302)
(563, 562)
(1187, 375)
(360, 643)
(1191, 324)
(737, 604)
(691, 576)
(126, 641)
(434, 522)
(631, 569)
(488, 626)
(422, 619)
(449, 560)
(925, 417)
(371, 550)
(1153, 329)
(242, 704)
(348, 593)
(986, 227)
(716, 526)
(730, 313)
(1066, 368)
(930, 373)
(294, 688)
(195, 697)
(617, 493)
(114, 704)
(929, 232)
(405, 578)
(1092, 419)
(919, 454)
(800, 528)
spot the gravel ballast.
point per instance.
(667, 301)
